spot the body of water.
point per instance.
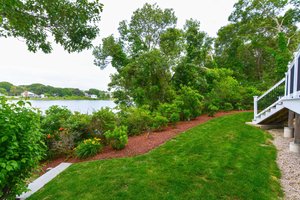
(82, 106)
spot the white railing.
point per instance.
(269, 97)
(288, 87)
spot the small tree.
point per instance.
(21, 146)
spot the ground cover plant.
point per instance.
(221, 159)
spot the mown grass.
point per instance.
(221, 159)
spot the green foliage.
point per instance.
(55, 118)
(258, 43)
(6, 85)
(223, 88)
(136, 119)
(21, 146)
(3, 91)
(212, 109)
(79, 124)
(159, 122)
(117, 138)
(191, 75)
(228, 106)
(147, 79)
(143, 69)
(73, 24)
(146, 26)
(189, 102)
(197, 43)
(88, 148)
(103, 120)
(171, 42)
(247, 93)
(169, 111)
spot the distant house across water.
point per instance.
(93, 96)
(28, 94)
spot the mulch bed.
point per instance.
(140, 144)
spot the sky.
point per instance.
(76, 70)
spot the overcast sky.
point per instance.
(77, 70)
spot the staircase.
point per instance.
(272, 107)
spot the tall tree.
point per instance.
(197, 50)
(72, 23)
(142, 56)
(263, 31)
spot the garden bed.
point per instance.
(140, 144)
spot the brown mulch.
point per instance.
(141, 144)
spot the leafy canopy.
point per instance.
(72, 23)
(259, 42)
(142, 56)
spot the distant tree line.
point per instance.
(9, 89)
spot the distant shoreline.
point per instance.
(58, 98)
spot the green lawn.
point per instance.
(221, 159)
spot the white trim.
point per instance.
(272, 88)
(289, 82)
(286, 88)
(295, 77)
(265, 110)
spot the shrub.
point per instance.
(169, 111)
(159, 122)
(117, 138)
(102, 121)
(227, 90)
(88, 147)
(21, 146)
(247, 94)
(137, 120)
(79, 125)
(239, 106)
(174, 118)
(212, 109)
(189, 102)
(228, 106)
(55, 117)
(61, 142)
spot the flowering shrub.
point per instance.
(61, 142)
(117, 138)
(88, 147)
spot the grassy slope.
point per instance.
(221, 159)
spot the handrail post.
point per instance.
(295, 76)
(286, 85)
(255, 106)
